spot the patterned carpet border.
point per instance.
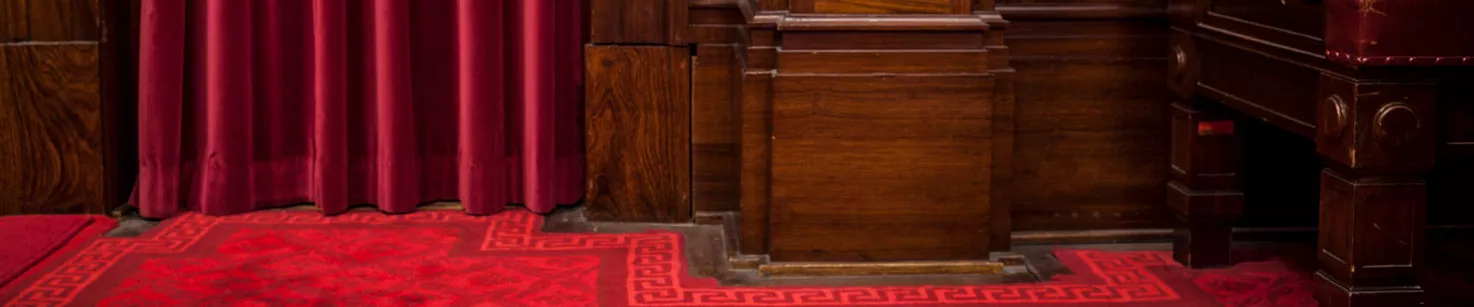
(656, 270)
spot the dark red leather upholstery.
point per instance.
(1400, 32)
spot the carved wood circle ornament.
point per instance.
(1394, 124)
(1179, 61)
(1335, 120)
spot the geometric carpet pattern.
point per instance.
(446, 258)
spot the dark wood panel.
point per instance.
(756, 171)
(881, 40)
(13, 21)
(1091, 141)
(714, 152)
(1056, 10)
(1306, 18)
(637, 21)
(1087, 39)
(50, 127)
(64, 20)
(1280, 92)
(714, 24)
(638, 117)
(856, 169)
(881, 6)
(866, 61)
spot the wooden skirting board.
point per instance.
(880, 268)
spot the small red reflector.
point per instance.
(1216, 127)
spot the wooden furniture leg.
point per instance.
(1203, 193)
(1378, 141)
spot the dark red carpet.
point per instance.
(27, 239)
(442, 258)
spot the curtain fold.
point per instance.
(263, 103)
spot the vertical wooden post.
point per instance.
(1379, 140)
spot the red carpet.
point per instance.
(441, 258)
(27, 239)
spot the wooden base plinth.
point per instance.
(1331, 293)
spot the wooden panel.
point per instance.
(1092, 39)
(881, 6)
(50, 127)
(1297, 24)
(637, 21)
(756, 130)
(13, 21)
(881, 40)
(1305, 18)
(638, 117)
(1057, 10)
(714, 25)
(1277, 91)
(64, 20)
(881, 168)
(1091, 141)
(858, 61)
(714, 152)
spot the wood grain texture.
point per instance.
(1075, 10)
(50, 127)
(756, 54)
(64, 20)
(1091, 141)
(881, 41)
(880, 168)
(714, 25)
(756, 129)
(881, 268)
(714, 152)
(886, 61)
(1299, 24)
(637, 21)
(14, 23)
(881, 6)
(638, 117)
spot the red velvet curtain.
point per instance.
(247, 104)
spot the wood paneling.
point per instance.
(1091, 141)
(714, 152)
(14, 25)
(50, 20)
(1294, 24)
(637, 21)
(64, 20)
(882, 40)
(866, 61)
(638, 117)
(50, 129)
(880, 168)
(63, 141)
(882, 6)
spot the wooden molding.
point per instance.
(880, 268)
